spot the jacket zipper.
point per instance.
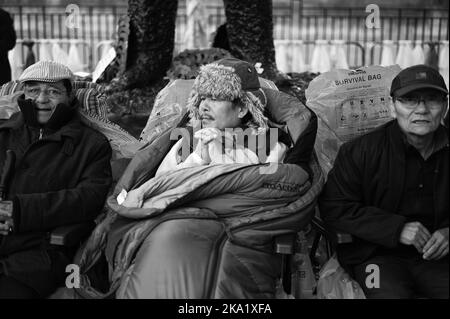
(41, 132)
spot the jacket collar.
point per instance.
(440, 138)
(72, 129)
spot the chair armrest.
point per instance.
(344, 238)
(335, 237)
(284, 244)
(71, 235)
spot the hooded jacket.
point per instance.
(62, 175)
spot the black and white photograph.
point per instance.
(228, 158)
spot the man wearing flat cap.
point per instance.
(389, 190)
(61, 176)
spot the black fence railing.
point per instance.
(292, 21)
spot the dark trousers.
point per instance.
(405, 276)
(11, 288)
(35, 273)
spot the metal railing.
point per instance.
(292, 21)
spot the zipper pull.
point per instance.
(41, 131)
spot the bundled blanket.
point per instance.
(231, 203)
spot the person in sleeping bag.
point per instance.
(227, 106)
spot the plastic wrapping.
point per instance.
(405, 55)
(443, 62)
(303, 279)
(59, 55)
(282, 56)
(348, 103)
(335, 283)
(298, 63)
(75, 61)
(15, 60)
(387, 53)
(338, 55)
(320, 61)
(418, 56)
(196, 35)
(45, 51)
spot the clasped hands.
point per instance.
(205, 136)
(6, 219)
(431, 246)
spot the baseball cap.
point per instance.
(46, 71)
(417, 77)
(246, 72)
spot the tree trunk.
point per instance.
(250, 33)
(151, 41)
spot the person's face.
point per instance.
(46, 97)
(419, 112)
(221, 114)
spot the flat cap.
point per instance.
(46, 71)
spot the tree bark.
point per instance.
(250, 33)
(151, 41)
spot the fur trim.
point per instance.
(221, 83)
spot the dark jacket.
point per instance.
(7, 42)
(60, 179)
(364, 189)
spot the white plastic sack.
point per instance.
(405, 55)
(320, 61)
(443, 61)
(196, 35)
(338, 56)
(74, 61)
(348, 103)
(45, 51)
(335, 283)
(59, 55)
(15, 60)
(168, 109)
(279, 291)
(418, 56)
(281, 56)
(387, 53)
(298, 63)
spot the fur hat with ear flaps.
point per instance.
(230, 79)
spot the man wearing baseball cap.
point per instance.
(389, 190)
(61, 176)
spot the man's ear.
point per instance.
(445, 111)
(71, 96)
(392, 107)
(243, 110)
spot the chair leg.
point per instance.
(329, 249)
(286, 273)
(315, 245)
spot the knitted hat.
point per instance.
(229, 79)
(46, 71)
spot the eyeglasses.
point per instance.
(34, 92)
(432, 102)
